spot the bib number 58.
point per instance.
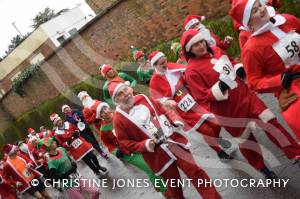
(292, 48)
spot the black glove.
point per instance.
(223, 86)
(76, 134)
(241, 73)
(69, 142)
(286, 80)
(119, 153)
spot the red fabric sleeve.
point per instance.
(89, 115)
(257, 80)
(126, 144)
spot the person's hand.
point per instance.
(228, 40)
(286, 99)
(170, 104)
(152, 145)
(76, 134)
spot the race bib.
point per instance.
(186, 103)
(81, 126)
(165, 125)
(224, 67)
(288, 48)
(76, 143)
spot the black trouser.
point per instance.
(88, 135)
(91, 160)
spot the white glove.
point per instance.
(227, 80)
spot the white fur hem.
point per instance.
(179, 123)
(147, 144)
(217, 93)
(266, 115)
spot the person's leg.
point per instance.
(172, 173)
(88, 135)
(210, 132)
(138, 161)
(88, 161)
(281, 138)
(186, 163)
(252, 152)
(96, 162)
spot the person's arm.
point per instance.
(126, 144)
(202, 93)
(257, 80)
(106, 95)
(129, 78)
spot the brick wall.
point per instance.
(106, 40)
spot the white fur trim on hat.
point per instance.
(55, 120)
(194, 40)
(102, 68)
(266, 115)
(13, 149)
(217, 93)
(99, 108)
(82, 94)
(117, 88)
(156, 58)
(247, 12)
(147, 145)
(63, 107)
(191, 23)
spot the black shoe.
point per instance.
(103, 169)
(224, 156)
(269, 174)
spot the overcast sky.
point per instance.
(21, 12)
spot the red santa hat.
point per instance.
(136, 53)
(115, 85)
(155, 56)
(192, 20)
(241, 11)
(54, 117)
(104, 68)
(9, 149)
(31, 130)
(189, 38)
(64, 106)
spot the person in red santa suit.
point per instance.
(69, 137)
(45, 133)
(213, 80)
(167, 85)
(194, 22)
(142, 126)
(20, 169)
(271, 56)
(7, 185)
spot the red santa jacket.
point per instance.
(45, 134)
(203, 80)
(171, 85)
(12, 172)
(7, 186)
(78, 147)
(261, 62)
(92, 114)
(133, 138)
(108, 138)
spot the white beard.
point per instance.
(87, 102)
(140, 114)
(24, 148)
